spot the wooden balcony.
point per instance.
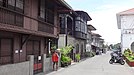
(11, 20)
(46, 27)
(80, 35)
(11, 17)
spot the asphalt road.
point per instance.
(98, 65)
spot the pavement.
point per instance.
(98, 65)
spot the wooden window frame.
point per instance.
(48, 12)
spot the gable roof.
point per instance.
(126, 12)
(95, 34)
(91, 27)
(129, 11)
(84, 14)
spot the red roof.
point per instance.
(129, 11)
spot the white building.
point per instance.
(97, 42)
(89, 37)
(125, 21)
(96, 39)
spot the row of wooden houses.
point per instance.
(29, 28)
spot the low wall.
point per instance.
(15, 69)
(48, 65)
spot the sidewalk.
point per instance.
(63, 68)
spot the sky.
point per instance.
(103, 14)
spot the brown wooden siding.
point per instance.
(8, 16)
(45, 27)
(32, 48)
(28, 21)
(6, 50)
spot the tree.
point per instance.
(111, 46)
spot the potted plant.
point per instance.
(65, 59)
(129, 57)
(77, 56)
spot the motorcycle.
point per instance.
(117, 57)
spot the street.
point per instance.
(98, 65)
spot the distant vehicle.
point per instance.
(116, 57)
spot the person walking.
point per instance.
(55, 58)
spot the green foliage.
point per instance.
(64, 59)
(66, 50)
(115, 46)
(130, 59)
(129, 54)
(90, 54)
(77, 56)
(64, 54)
(53, 47)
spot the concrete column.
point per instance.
(44, 59)
(31, 63)
(59, 61)
(65, 18)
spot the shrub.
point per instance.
(77, 56)
(127, 52)
(90, 54)
(65, 59)
(66, 50)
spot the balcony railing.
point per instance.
(46, 27)
(80, 35)
(11, 17)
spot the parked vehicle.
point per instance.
(117, 57)
(98, 52)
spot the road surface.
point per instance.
(98, 65)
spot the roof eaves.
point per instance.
(93, 28)
(66, 4)
(85, 13)
(127, 12)
(118, 16)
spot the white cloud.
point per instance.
(106, 23)
(104, 17)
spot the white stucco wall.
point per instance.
(62, 41)
(127, 22)
(88, 47)
(127, 40)
(127, 32)
(71, 41)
